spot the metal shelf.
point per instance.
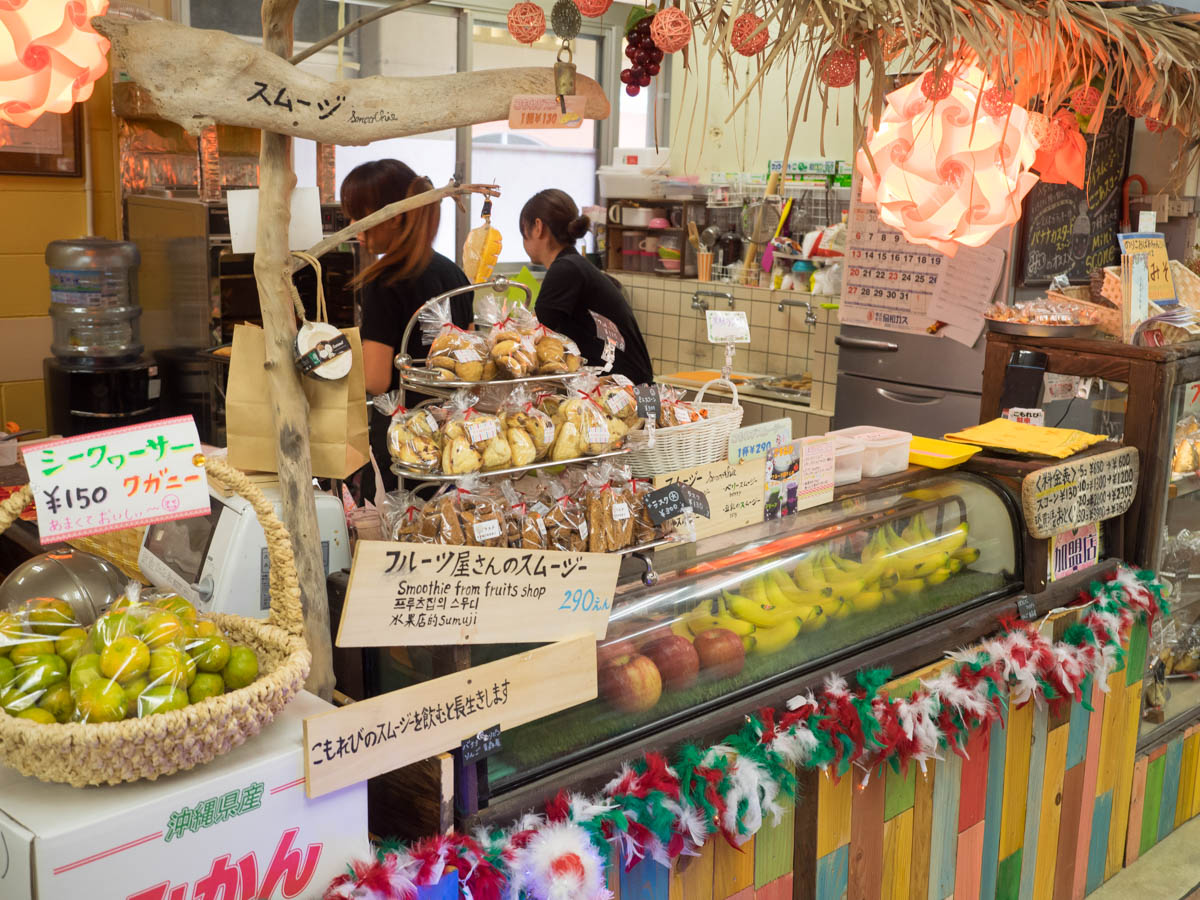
(405, 472)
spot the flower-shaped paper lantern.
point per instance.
(526, 22)
(744, 39)
(942, 176)
(838, 68)
(1064, 162)
(593, 9)
(49, 56)
(671, 29)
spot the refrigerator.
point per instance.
(910, 382)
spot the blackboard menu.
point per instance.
(1068, 230)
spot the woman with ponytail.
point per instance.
(573, 288)
(406, 273)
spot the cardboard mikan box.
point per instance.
(239, 826)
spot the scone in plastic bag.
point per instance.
(556, 353)
(454, 354)
(472, 440)
(412, 437)
(530, 431)
(583, 427)
(482, 510)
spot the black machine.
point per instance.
(82, 398)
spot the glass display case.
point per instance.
(755, 609)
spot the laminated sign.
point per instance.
(120, 478)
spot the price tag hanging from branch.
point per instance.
(607, 331)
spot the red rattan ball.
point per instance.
(937, 85)
(838, 68)
(593, 9)
(671, 29)
(997, 101)
(526, 22)
(1066, 120)
(744, 40)
(1137, 108)
(1156, 125)
(1046, 131)
(1085, 99)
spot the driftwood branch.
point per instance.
(392, 210)
(353, 27)
(289, 406)
(197, 77)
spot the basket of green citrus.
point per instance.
(151, 687)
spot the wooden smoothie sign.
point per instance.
(403, 594)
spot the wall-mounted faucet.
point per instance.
(702, 305)
(810, 315)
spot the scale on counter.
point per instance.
(219, 562)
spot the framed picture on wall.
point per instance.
(53, 145)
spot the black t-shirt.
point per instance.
(573, 288)
(386, 308)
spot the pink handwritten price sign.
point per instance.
(121, 478)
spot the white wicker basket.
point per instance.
(691, 445)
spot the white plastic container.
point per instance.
(643, 159)
(885, 450)
(847, 461)
(626, 183)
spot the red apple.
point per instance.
(677, 661)
(613, 650)
(721, 652)
(630, 684)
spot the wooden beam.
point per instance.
(272, 271)
(196, 77)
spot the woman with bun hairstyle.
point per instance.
(572, 287)
(406, 273)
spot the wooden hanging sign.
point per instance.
(401, 594)
(1076, 493)
(370, 737)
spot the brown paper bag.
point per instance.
(337, 411)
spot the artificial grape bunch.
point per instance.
(644, 56)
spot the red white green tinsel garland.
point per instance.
(659, 811)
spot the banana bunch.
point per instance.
(918, 557)
(844, 585)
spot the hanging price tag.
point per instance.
(480, 746)
(1026, 416)
(727, 326)
(649, 404)
(109, 480)
(608, 332)
(696, 500)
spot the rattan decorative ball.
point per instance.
(1085, 99)
(1046, 131)
(1136, 109)
(1156, 125)
(744, 40)
(526, 22)
(593, 9)
(997, 101)
(937, 84)
(566, 20)
(1066, 120)
(838, 68)
(671, 29)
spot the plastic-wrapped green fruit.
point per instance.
(27, 650)
(84, 670)
(57, 701)
(111, 626)
(71, 643)
(241, 669)
(37, 714)
(102, 700)
(207, 684)
(211, 653)
(161, 698)
(48, 615)
(40, 672)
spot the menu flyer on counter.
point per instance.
(799, 475)
(891, 283)
(401, 594)
(735, 494)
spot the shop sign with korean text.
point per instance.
(735, 494)
(392, 730)
(402, 594)
(115, 479)
(1073, 551)
(1072, 494)
(538, 111)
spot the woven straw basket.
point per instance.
(691, 445)
(109, 753)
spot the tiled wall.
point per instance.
(780, 342)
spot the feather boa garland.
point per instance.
(659, 811)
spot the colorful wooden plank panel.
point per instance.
(694, 875)
(1195, 801)
(897, 856)
(900, 792)
(943, 844)
(998, 755)
(1068, 832)
(1170, 788)
(1099, 841)
(1154, 785)
(833, 872)
(1033, 800)
(779, 889)
(919, 881)
(1087, 804)
(1081, 718)
(773, 846)
(1187, 778)
(969, 863)
(646, 881)
(1008, 877)
(833, 813)
(1018, 760)
(1052, 798)
(1137, 801)
(733, 869)
(1135, 666)
(973, 794)
(866, 841)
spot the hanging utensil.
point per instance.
(693, 235)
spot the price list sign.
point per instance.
(401, 594)
(1070, 495)
(120, 478)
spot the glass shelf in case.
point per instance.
(740, 612)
